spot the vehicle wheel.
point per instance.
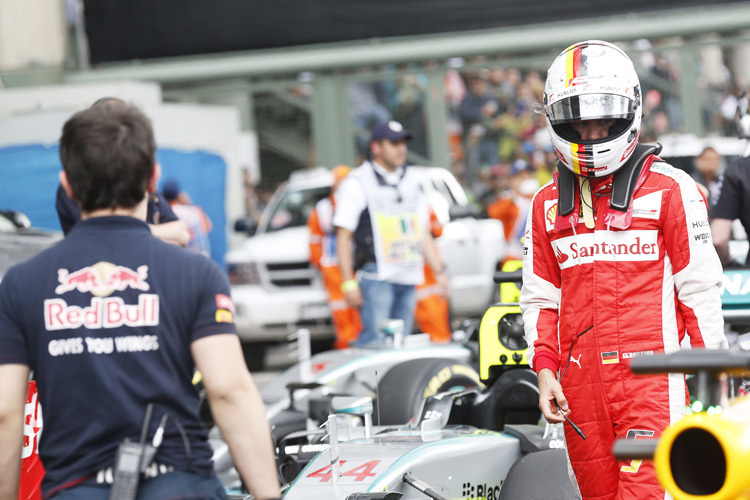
(543, 474)
(402, 389)
(255, 355)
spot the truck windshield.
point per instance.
(294, 207)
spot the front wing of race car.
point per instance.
(460, 462)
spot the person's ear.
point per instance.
(66, 185)
(154, 180)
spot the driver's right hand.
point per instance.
(550, 391)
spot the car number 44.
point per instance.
(359, 473)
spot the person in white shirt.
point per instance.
(382, 230)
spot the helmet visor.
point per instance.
(591, 107)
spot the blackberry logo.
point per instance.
(471, 491)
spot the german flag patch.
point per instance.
(611, 357)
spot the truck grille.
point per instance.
(290, 274)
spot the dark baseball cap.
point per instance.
(170, 190)
(392, 130)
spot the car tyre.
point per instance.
(540, 475)
(402, 389)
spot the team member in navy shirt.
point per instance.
(112, 319)
(160, 217)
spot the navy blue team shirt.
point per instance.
(105, 320)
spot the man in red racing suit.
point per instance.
(602, 285)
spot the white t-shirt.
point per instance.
(351, 199)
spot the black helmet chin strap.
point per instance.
(623, 181)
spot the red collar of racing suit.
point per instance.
(616, 218)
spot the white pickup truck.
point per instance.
(277, 291)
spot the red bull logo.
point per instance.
(109, 312)
(102, 279)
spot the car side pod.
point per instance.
(501, 342)
(501, 336)
(703, 456)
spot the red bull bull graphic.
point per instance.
(122, 277)
(102, 279)
(83, 280)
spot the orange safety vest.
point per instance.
(432, 310)
(346, 319)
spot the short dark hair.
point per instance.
(108, 155)
(108, 101)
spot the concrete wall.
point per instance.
(71, 98)
(32, 34)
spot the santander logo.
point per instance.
(561, 257)
(620, 246)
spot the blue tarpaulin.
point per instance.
(29, 179)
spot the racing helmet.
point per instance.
(593, 80)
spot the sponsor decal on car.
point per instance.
(481, 491)
(557, 444)
(445, 375)
(358, 472)
(735, 283)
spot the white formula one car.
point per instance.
(301, 396)
(439, 433)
